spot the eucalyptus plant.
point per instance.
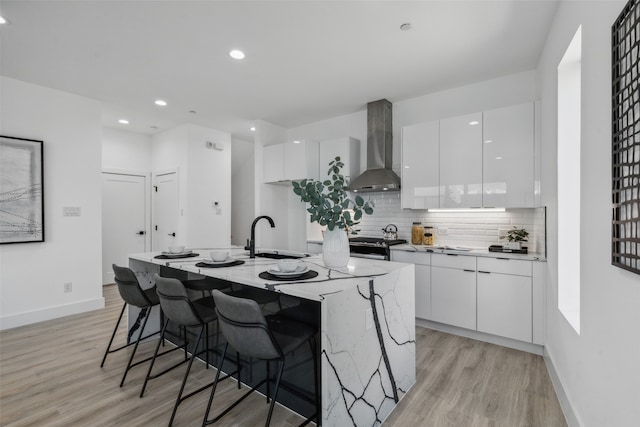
(329, 202)
(517, 235)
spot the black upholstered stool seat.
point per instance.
(132, 294)
(269, 338)
(182, 311)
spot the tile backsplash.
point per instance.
(470, 229)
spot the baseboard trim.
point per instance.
(481, 336)
(35, 316)
(565, 403)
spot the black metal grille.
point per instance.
(625, 41)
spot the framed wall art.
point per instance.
(21, 190)
(625, 128)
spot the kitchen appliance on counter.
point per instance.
(372, 247)
(502, 249)
(390, 232)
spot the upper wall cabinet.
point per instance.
(460, 161)
(348, 149)
(477, 160)
(420, 166)
(508, 157)
(290, 161)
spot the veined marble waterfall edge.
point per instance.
(363, 358)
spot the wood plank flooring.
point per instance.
(50, 375)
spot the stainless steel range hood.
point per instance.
(378, 176)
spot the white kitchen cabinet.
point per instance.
(273, 163)
(453, 290)
(505, 298)
(422, 262)
(348, 149)
(290, 161)
(421, 166)
(460, 161)
(504, 305)
(508, 156)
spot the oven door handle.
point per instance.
(369, 256)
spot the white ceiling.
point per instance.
(306, 60)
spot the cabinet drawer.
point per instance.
(462, 262)
(420, 258)
(517, 267)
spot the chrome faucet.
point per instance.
(251, 243)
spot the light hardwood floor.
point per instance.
(50, 375)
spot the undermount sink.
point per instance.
(273, 255)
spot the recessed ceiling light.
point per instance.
(296, 142)
(2, 20)
(488, 141)
(406, 167)
(498, 158)
(123, 121)
(252, 128)
(473, 123)
(406, 26)
(161, 102)
(236, 54)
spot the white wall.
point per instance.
(125, 150)
(270, 199)
(208, 181)
(32, 274)
(598, 370)
(204, 177)
(242, 190)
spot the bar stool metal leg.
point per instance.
(115, 330)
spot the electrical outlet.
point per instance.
(68, 287)
(443, 230)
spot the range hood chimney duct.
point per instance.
(379, 175)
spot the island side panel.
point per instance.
(144, 272)
(368, 349)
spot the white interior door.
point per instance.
(124, 220)
(166, 204)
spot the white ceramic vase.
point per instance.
(335, 248)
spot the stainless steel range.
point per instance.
(372, 247)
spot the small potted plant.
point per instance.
(515, 237)
(330, 206)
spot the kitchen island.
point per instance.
(366, 323)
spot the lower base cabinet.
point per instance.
(453, 296)
(423, 291)
(504, 305)
(497, 296)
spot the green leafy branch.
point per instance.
(329, 202)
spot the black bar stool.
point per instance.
(132, 294)
(269, 338)
(179, 309)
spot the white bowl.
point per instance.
(288, 265)
(176, 249)
(219, 256)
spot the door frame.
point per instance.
(147, 198)
(154, 184)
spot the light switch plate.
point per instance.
(71, 211)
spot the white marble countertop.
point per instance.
(328, 281)
(467, 251)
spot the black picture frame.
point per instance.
(21, 190)
(625, 129)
